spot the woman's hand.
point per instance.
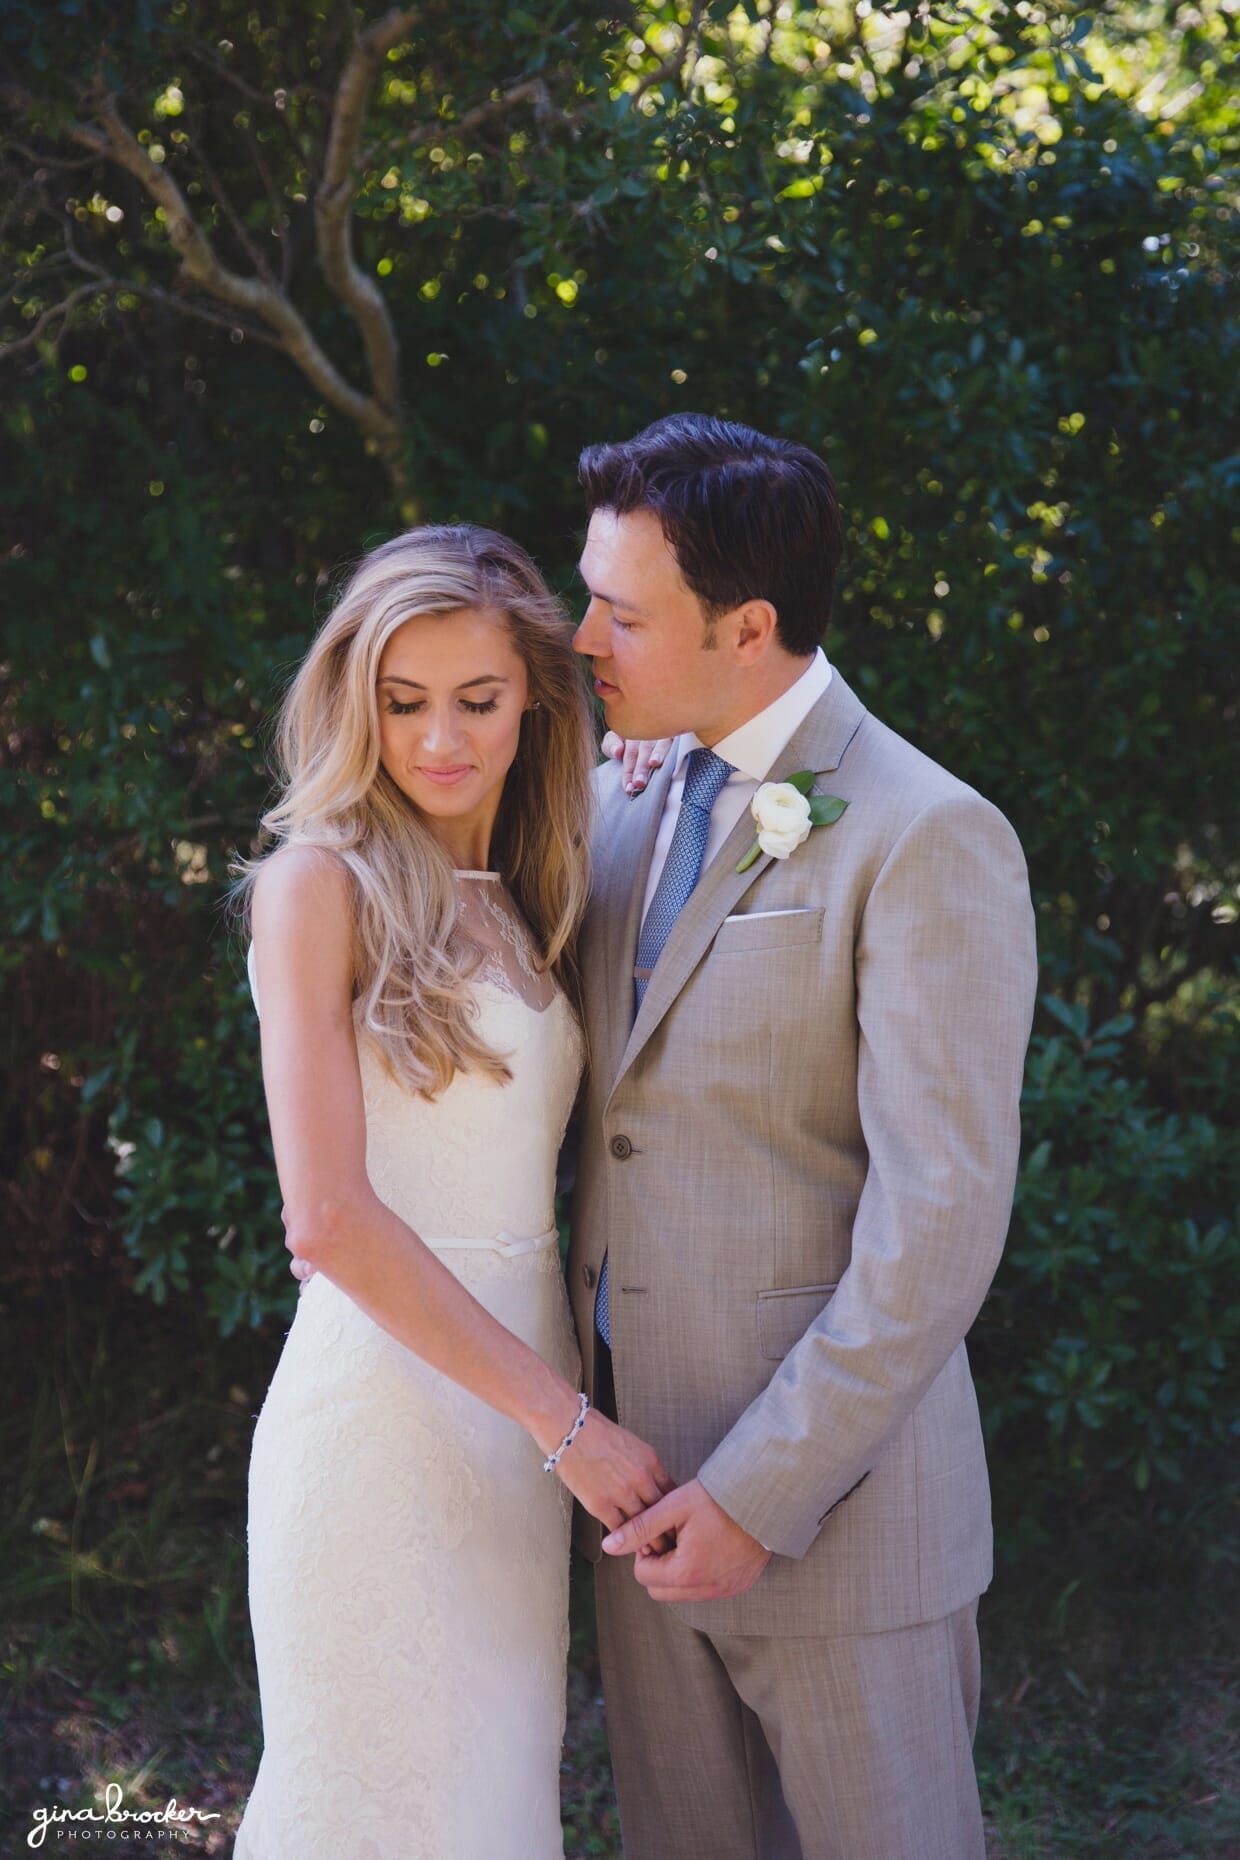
(301, 1269)
(613, 1473)
(638, 757)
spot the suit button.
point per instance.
(589, 1275)
(621, 1148)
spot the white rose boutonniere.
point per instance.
(786, 813)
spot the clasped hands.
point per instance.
(685, 1547)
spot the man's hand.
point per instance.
(637, 757)
(712, 1556)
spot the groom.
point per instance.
(796, 1172)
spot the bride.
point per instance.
(413, 957)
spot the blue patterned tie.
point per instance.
(705, 775)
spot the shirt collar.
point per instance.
(754, 745)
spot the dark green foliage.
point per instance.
(1111, 1341)
(1011, 330)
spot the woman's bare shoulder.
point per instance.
(297, 877)
(302, 920)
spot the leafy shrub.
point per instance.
(993, 290)
(1111, 1342)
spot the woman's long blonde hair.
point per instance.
(411, 965)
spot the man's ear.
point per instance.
(755, 625)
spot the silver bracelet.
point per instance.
(549, 1463)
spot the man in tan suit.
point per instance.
(794, 1184)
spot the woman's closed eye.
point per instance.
(396, 709)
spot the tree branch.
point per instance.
(334, 200)
(277, 99)
(253, 294)
(33, 274)
(534, 89)
(62, 309)
(224, 201)
(39, 160)
(188, 307)
(201, 265)
(104, 286)
(279, 208)
(672, 66)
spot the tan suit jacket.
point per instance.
(800, 1159)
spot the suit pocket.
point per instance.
(769, 930)
(785, 1316)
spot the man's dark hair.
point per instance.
(747, 517)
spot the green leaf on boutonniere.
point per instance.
(802, 781)
(825, 809)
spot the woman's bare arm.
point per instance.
(334, 1219)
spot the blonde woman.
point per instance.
(414, 955)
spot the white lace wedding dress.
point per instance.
(408, 1555)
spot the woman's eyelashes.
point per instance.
(396, 709)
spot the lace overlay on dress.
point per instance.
(489, 918)
(408, 1556)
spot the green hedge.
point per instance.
(995, 292)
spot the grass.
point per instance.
(1111, 1723)
(1111, 1720)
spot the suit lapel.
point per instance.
(818, 743)
(628, 828)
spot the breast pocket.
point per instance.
(784, 1316)
(752, 930)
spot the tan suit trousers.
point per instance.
(746, 1747)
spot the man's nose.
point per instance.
(587, 639)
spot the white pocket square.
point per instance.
(751, 917)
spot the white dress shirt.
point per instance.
(752, 750)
